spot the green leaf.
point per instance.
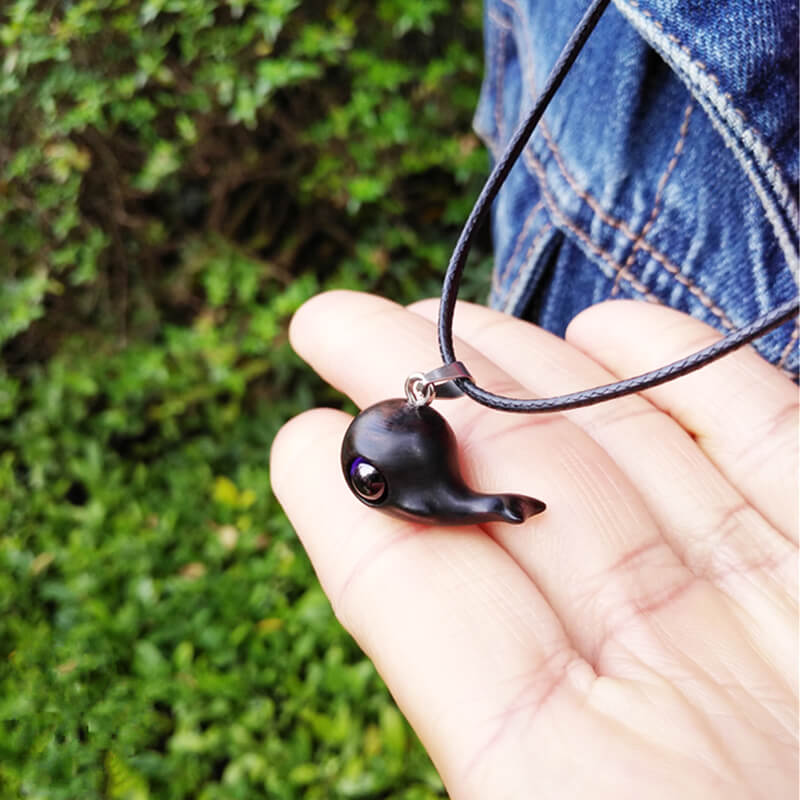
(393, 730)
(161, 162)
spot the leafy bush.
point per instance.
(176, 177)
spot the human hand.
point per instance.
(639, 638)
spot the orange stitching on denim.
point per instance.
(754, 156)
(552, 203)
(787, 351)
(536, 239)
(499, 275)
(624, 228)
(699, 64)
(704, 68)
(662, 183)
(531, 160)
(676, 41)
(618, 224)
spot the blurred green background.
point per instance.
(176, 178)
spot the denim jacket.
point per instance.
(665, 169)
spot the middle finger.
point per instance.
(705, 520)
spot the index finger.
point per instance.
(458, 631)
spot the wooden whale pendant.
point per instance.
(403, 459)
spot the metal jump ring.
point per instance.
(421, 387)
(418, 391)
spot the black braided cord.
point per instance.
(455, 269)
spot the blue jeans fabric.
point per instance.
(665, 169)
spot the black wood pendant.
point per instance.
(403, 459)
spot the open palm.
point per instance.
(639, 638)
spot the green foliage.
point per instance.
(176, 178)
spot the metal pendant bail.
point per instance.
(420, 387)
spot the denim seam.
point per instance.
(500, 274)
(760, 149)
(531, 162)
(510, 301)
(623, 227)
(660, 187)
(741, 137)
(787, 351)
(552, 203)
(499, 56)
(789, 253)
(489, 137)
(620, 225)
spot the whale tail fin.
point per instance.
(476, 507)
(516, 508)
(457, 504)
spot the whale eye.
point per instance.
(367, 481)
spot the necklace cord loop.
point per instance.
(480, 210)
